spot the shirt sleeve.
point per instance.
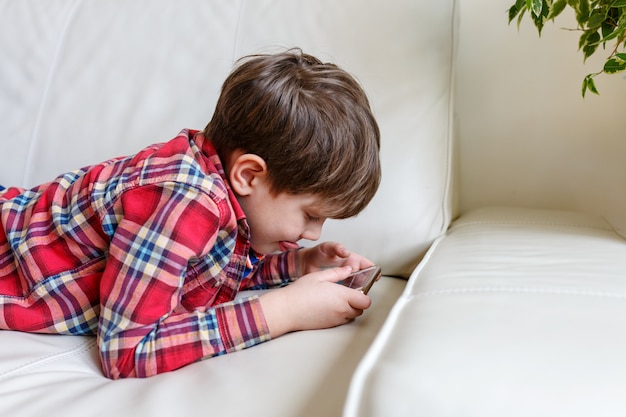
(142, 329)
(10, 192)
(273, 270)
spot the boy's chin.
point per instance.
(266, 249)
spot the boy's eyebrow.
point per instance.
(314, 211)
(322, 211)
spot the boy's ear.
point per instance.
(246, 172)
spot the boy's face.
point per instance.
(277, 222)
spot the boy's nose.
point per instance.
(312, 232)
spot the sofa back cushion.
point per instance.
(81, 82)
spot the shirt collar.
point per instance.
(212, 158)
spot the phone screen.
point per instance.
(362, 279)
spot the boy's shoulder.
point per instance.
(181, 161)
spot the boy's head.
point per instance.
(309, 121)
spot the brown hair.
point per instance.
(310, 121)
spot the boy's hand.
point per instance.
(327, 255)
(314, 301)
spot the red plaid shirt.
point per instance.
(147, 252)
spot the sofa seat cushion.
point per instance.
(299, 374)
(514, 312)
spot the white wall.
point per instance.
(527, 137)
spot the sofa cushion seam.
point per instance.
(530, 223)
(83, 347)
(521, 290)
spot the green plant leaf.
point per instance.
(557, 8)
(592, 86)
(539, 19)
(583, 39)
(573, 4)
(582, 12)
(619, 3)
(621, 56)
(614, 15)
(513, 12)
(535, 5)
(589, 85)
(611, 66)
(608, 31)
(519, 18)
(597, 18)
(591, 44)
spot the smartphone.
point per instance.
(363, 279)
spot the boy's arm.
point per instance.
(143, 330)
(314, 301)
(281, 268)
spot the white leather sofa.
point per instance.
(497, 223)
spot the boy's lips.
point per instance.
(286, 245)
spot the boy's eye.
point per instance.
(313, 219)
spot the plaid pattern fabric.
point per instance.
(147, 252)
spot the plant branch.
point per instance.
(600, 21)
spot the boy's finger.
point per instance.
(334, 274)
(360, 301)
(332, 249)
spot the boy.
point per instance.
(149, 251)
